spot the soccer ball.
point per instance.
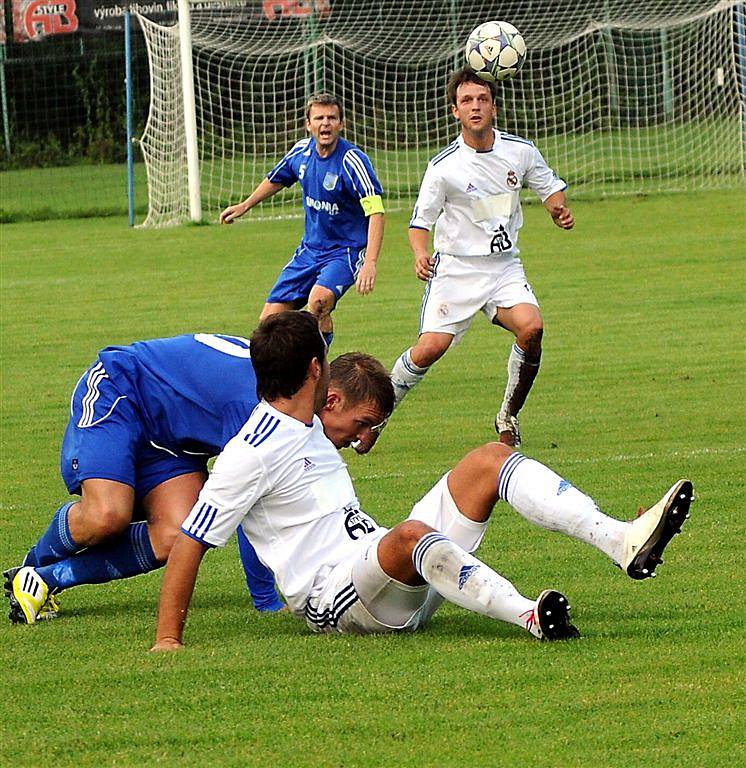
(495, 51)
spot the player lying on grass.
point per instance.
(282, 480)
(144, 420)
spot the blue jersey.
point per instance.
(193, 393)
(332, 190)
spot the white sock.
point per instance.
(545, 499)
(405, 375)
(522, 371)
(462, 579)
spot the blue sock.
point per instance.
(259, 579)
(328, 338)
(56, 542)
(128, 555)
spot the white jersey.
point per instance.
(285, 483)
(472, 197)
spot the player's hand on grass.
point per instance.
(366, 278)
(562, 217)
(424, 266)
(167, 644)
(231, 213)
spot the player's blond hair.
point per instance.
(363, 379)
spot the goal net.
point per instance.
(620, 97)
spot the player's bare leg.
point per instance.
(104, 511)
(136, 548)
(414, 554)
(273, 307)
(525, 323)
(411, 367)
(549, 501)
(166, 508)
(321, 303)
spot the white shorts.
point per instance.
(358, 597)
(464, 286)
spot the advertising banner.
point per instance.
(34, 20)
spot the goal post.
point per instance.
(620, 98)
(190, 111)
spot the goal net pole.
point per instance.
(190, 111)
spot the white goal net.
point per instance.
(620, 97)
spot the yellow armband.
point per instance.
(372, 204)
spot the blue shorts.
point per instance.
(105, 439)
(335, 270)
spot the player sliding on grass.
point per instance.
(470, 194)
(282, 480)
(344, 217)
(145, 418)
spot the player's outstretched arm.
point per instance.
(366, 277)
(176, 592)
(558, 210)
(265, 189)
(419, 242)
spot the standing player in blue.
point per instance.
(144, 419)
(343, 217)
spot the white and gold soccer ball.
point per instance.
(495, 51)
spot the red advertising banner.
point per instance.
(36, 19)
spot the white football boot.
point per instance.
(649, 534)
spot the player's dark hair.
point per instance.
(282, 348)
(361, 378)
(325, 99)
(466, 75)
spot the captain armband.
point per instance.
(371, 204)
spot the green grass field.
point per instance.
(642, 382)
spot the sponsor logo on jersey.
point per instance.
(308, 465)
(357, 523)
(322, 205)
(563, 486)
(512, 179)
(465, 573)
(470, 188)
(330, 181)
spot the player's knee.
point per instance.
(409, 534)
(529, 337)
(321, 306)
(429, 350)
(105, 521)
(162, 539)
(490, 457)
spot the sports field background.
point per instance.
(642, 382)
